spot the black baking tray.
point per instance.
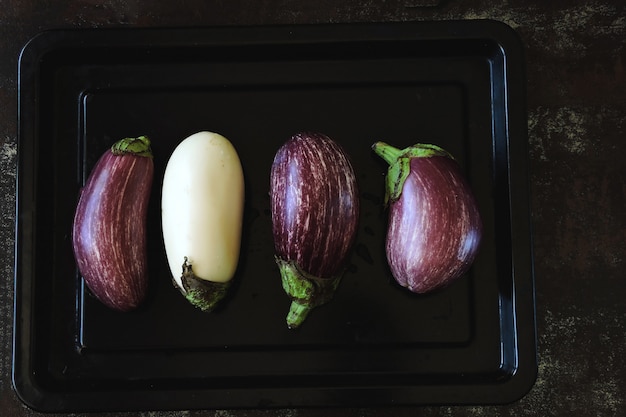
(458, 84)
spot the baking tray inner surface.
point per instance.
(445, 91)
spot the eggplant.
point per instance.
(109, 236)
(202, 205)
(315, 214)
(435, 229)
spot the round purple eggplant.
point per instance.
(435, 228)
(109, 231)
(315, 213)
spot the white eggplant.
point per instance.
(202, 212)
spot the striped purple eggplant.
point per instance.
(109, 231)
(315, 213)
(435, 228)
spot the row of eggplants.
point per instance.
(434, 228)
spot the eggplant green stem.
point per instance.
(399, 161)
(139, 146)
(201, 293)
(297, 314)
(306, 291)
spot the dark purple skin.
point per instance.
(315, 204)
(315, 214)
(435, 228)
(109, 232)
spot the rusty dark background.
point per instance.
(575, 64)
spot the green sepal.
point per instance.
(399, 161)
(306, 291)
(139, 146)
(201, 293)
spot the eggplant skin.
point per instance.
(435, 228)
(109, 235)
(315, 205)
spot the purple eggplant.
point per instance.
(315, 213)
(435, 228)
(109, 231)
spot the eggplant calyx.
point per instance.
(139, 146)
(399, 161)
(305, 290)
(201, 293)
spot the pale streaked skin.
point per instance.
(434, 227)
(109, 231)
(315, 204)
